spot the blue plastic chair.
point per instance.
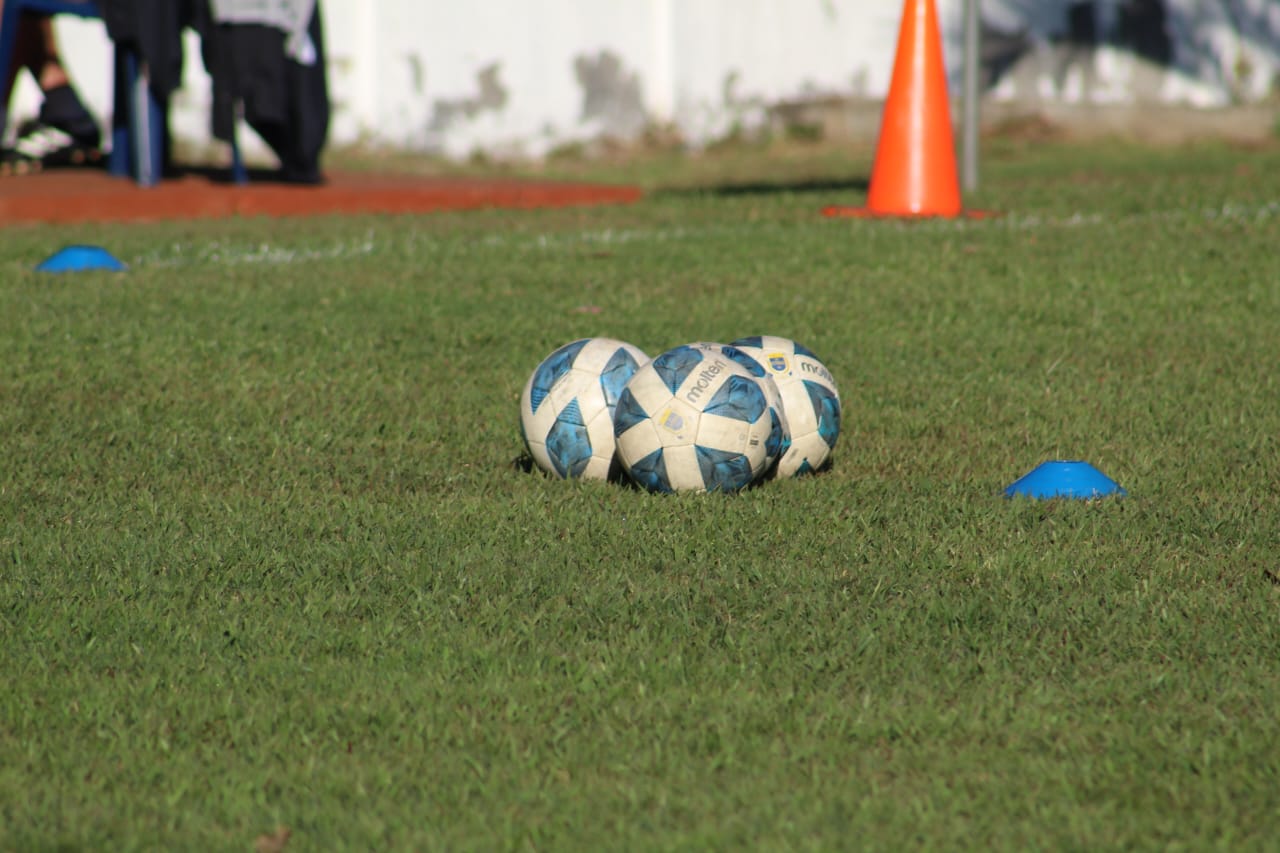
(138, 123)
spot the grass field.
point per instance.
(266, 558)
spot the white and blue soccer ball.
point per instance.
(694, 419)
(567, 406)
(809, 396)
(774, 397)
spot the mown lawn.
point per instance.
(268, 557)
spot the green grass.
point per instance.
(266, 558)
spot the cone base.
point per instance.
(842, 212)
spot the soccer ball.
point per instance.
(693, 419)
(777, 411)
(809, 397)
(566, 409)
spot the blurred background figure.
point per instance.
(269, 59)
(266, 63)
(63, 132)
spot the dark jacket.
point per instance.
(285, 102)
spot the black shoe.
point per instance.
(42, 146)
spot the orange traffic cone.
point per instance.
(915, 167)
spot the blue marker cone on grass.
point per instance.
(1062, 478)
(78, 258)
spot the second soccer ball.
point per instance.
(693, 419)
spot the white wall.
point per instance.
(573, 69)
(523, 76)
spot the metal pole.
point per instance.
(972, 66)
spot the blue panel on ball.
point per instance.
(754, 341)
(827, 407)
(651, 472)
(779, 440)
(552, 370)
(805, 351)
(722, 470)
(627, 413)
(621, 367)
(675, 365)
(572, 414)
(739, 398)
(741, 358)
(568, 443)
(536, 396)
(805, 468)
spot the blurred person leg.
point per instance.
(63, 133)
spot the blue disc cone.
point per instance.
(77, 258)
(1065, 479)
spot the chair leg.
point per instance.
(8, 40)
(148, 129)
(119, 163)
(239, 174)
(137, 125)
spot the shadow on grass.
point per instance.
(222, 175)
(524, 464)
(793, 187)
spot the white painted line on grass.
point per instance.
(180, 254)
